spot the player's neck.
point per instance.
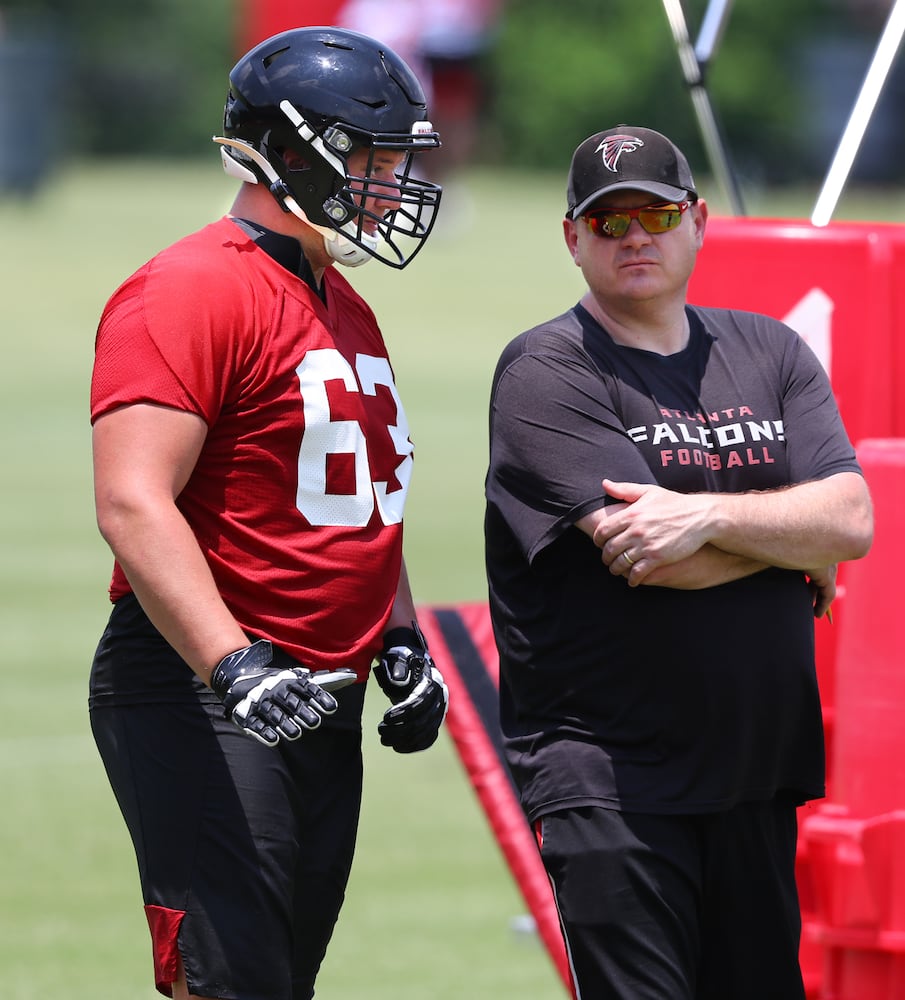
(256, 204)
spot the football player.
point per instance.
(252, 458)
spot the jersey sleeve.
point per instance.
(555, 435)
(169, 336)
(817, 443)
(128, 367)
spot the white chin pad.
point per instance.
(347, 253)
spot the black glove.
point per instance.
(269, 703)
(410, 679)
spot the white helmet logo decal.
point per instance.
(614, 146)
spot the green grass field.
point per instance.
(427, 870)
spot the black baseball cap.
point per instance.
(627, 158)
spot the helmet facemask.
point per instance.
(306, 168)
(395, 229)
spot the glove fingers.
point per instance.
(413, 747)
(301, 704)
(425, 704)
(289, 728)
(286, 712)
(260, 730)
(271, 722)
(408, 740)
(299, 715)
(307, 698)
(430, 718)
(325, 703)
(410, 733)
(310, 692)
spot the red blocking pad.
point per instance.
(838, 286)
(460, 638)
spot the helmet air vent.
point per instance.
(273, 56)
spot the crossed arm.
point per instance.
(656, 537)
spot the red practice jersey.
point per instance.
(298, 494)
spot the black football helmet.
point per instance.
(299, 105)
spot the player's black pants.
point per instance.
(243, 850)
(678, 907)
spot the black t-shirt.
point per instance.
(649, 698)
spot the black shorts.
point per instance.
(678, 907)
(243, 850)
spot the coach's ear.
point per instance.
(570, 233)
(699, 215)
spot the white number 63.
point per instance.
(323, 437)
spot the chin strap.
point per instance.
(339, 247)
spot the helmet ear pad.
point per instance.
(303, 173)
(306, 100)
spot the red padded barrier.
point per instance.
(870, 679)
(838, 286)
(856, 845)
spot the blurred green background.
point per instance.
(132, 95)
(119, 77)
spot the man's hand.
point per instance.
(822, 582)
(652, 527)
(409, 678)
(269, 703)
(814, 523)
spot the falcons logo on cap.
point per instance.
(614, 146)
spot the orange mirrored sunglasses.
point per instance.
(654, 219)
